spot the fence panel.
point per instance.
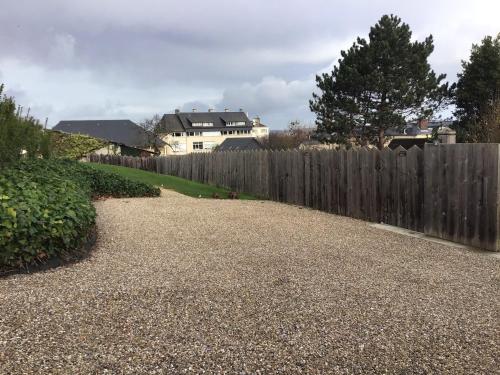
(447, 191)
(462, 196)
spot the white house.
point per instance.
(186, 132)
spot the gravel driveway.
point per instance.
(184, 285)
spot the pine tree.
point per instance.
(477, 95)
(378, 84)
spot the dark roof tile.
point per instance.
(184, 121)
(240, 144)
(119, 131)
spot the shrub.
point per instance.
(46, 209)
(40, 220)
(19, 134)
(73, 146)
(94, 182)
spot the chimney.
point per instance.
(241, 109)
(256, 121)
(226, 109)
(447, 135)
(194, 109)
(423, 123)
(210, 110)
(177, 111)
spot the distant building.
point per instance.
(422, 127)
(418, 133)
(124, 136)
(186, 132)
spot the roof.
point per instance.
(407, 142)
(124, 132)
(240, 144)
(183, 121)
(434, 123)
(409, 130)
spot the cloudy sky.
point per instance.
(91, 59)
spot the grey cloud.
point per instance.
(155, 55)
(270, 94)
(197, 105)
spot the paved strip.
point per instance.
(185, 285)
(426, 237)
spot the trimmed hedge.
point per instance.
(46, 210)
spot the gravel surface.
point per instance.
(185, 285)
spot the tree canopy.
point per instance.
(477, 94)
(378, 84)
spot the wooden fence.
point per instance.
(447, 191)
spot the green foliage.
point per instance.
(477, 94)
(40, 218)
(73, 146)
(94, 182)
(378, 84)
(19, 134)
(46, 210)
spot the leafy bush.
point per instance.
(73, 146)
(93, 181)
(19, 134)
(40, 220)
(45, 207)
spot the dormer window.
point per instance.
(202, 124)
(236, 123)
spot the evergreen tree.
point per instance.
(477, 94)
(378, 84)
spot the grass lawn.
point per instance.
(180, 185)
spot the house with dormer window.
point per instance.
(186, 132)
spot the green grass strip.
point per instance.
(180, 185)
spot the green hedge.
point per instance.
(95, 182)
(46, 209)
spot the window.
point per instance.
(211, 134)
(177, 134)
(179, 147)
(209, 145)
(202, 124)
(194, 134)
(235, 123)
(197, 145)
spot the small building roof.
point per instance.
(240, 144)
(119, 131)
(407, 142)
